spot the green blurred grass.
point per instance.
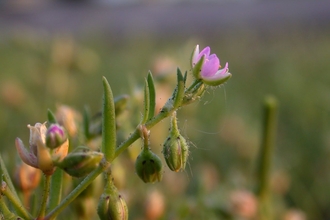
(225, 125)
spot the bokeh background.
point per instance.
(54, 53)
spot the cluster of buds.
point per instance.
(45, 144)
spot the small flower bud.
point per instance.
(148, 166)
(55, 136)
(112, 205)
(175, 148)
(80, 162)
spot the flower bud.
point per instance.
(112, 205)
(55, 136)
(175, 148)
(80, 162)
(148, 166)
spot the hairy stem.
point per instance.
(45, 196)
(56, 189)
(74, 193)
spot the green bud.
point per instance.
(80, 162)
(111, 205)
(175, 148)
(148, 166)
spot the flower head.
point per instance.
(206, 66)
(39, 156)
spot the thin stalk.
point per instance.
(45, 196)
(6, 213)
(15, 201)
(265, 157)
(74, 193)
(56, 189)
(136, 134)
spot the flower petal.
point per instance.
(194, 55)
(219, 78)
(210, 66)
(206, 51)
(61, 151)
(45, 162)
(27, 157)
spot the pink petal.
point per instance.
(206, 51)
(210, 66)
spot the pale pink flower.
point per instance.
(206, 66)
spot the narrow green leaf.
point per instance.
(180, 89)
(51, 117)
(55, 189)
(185, 77)
(108, 123)
(146, 102)
(152, 96)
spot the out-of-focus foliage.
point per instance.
(223, 129)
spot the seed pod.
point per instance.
(148, 166)
(111, 205)
(80, 162)
(175, 148)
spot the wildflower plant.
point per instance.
(48, 149)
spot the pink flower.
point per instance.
(206, 67)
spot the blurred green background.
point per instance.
(290, 60)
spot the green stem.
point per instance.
(6, 213)
(15, 201)
(265, 157)
(56, 189)
(108, 123)
(136, 134)
(45, 196)
(6, 177)
(74, 193)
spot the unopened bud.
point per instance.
(80, 162)
(55, 136)
(148, 166)
(175, 148)
(112, 205)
